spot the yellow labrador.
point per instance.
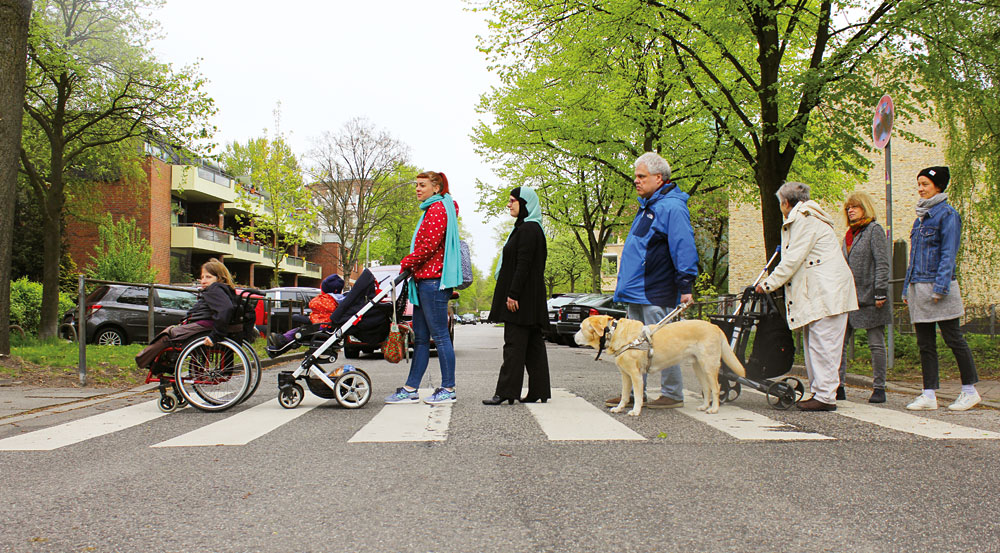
(700, 341)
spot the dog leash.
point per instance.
(644, 341)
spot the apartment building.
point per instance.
(189, 213)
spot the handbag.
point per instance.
(467, 275)
(392, 347)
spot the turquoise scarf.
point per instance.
(451, 273)
(534, 214)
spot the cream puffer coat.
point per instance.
(818, 282)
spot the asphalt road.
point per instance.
(499, 483)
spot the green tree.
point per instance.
(734, 91)
(14, 17)
(95, 92)
(121, 254)
(566, 263)
(280, 206)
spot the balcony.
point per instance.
(313, 270)
(201, 184)
(202, 238)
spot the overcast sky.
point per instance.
(409, 66)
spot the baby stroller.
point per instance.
(362, 313)
(211, 378)
(773, 348)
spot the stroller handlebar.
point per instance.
(401, 277)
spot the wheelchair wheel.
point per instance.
(254, 371)
(168, 403)
(352, 389)
(290, 396)
(213, 378)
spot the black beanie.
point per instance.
(938, 175)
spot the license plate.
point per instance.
(572, 316)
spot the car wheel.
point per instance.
(110, 337)
(351, 353)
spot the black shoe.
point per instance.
(841, 393)
(528, 399)
(878, 396)
(497, 400)
(277, 341)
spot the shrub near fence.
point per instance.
(26, 304)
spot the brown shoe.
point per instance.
(813, 404)
(616, 400)
(664, 402)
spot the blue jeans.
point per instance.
(430, 318)
(671, 378)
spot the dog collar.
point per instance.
(609, 331)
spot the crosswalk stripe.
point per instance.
(407, 422)
(244, 427)
(913, 424)
(745, 425)
(570, 417)
(77, 431)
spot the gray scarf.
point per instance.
(923, 206)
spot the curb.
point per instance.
(862, 381)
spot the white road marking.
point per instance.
(246, 426)
(913, 424)
(569, 417)
(745, 425)
(407, 422)
(83, 429)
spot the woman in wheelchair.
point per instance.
(212, 312)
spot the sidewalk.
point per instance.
(989, 390)
(19, 402)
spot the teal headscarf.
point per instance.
(451, 273)
(531, 210)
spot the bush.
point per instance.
(26, 304)
(121, 254)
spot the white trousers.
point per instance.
(824, 346)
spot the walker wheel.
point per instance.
(290, 396)
(729, 390)
(796, 385)
(168, 402)
(780, 395)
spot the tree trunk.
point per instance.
(51, 254)
(14, 17)
(595, 273)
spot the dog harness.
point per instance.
(643, 342)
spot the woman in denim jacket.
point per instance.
(931, 291)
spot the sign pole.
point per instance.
(890, 341)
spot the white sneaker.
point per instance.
(965, 401)
(923, 403)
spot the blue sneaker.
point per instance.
(402, 395)
(441, 396)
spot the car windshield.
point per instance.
(561, 300)
(593, 300)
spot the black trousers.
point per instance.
(927, 344)
(523, 349)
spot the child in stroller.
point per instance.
(372, 327)
(322, 307)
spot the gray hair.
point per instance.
(655, 164)
(793, 193)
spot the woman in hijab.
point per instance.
(931, 291)
(519, 303)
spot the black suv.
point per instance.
(572, 314)
(119, 314)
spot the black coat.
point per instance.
(215, 303)
(522, 278)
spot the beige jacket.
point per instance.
(818, 282)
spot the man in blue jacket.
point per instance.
(659, 262)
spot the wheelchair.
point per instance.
(211, 378)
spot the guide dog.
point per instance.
(699, 341)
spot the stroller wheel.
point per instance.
(290, 396)
(783, 394)
(353, 389)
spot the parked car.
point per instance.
(467, 319)
(118, 314)
(579, 309)
(553, 306)
(384, 274)
(289, 306)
